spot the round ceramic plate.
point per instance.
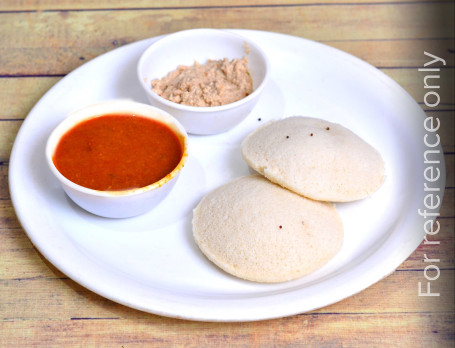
(151, 262)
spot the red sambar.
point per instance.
(118, 152)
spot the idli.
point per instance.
(259, 231)
(318, 159)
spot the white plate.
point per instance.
(151, 262)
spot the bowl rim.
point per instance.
(203, 109)
(76, 117)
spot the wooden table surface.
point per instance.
(42, 41)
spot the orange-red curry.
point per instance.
(118, 152)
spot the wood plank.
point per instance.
(398, 293)
(444, 251)
(4, 189)
(8, 132)
(31, 40)
(398, 53)
(310, 330)
(412, 82)
(45, 5)
(19, 95)
(450, 170)
(21, 260)
(382, 53)
(447, 129)
(8, 218)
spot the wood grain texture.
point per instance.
(43, 40)
(43, 37)
(383, 53)
(19, 95)
(307, 330)
(8, 132)
(47, 5)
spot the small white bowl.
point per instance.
(199, 45)
(124, 203)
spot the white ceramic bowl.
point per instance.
(125, 203)
(198, 45)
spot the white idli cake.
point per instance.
(259, 231)
(318, 159)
